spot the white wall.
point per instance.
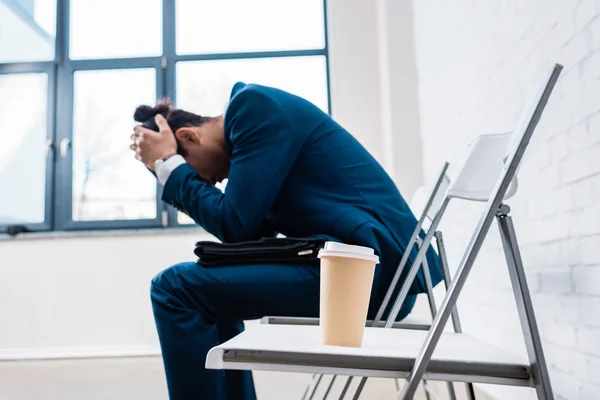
(373, 83)
(354, 69)
(82, 295)
(478, 61)
(399, 108)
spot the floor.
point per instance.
(139, 379)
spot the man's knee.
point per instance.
(167, 281)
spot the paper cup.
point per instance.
(346, 281)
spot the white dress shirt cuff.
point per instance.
(164, 170)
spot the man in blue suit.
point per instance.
(290, 169)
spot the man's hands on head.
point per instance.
(150, 145)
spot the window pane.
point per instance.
(23, 124)
(204, 86)
(224, 26)
(27, 30)
(108, 182)
(183, 219)
(115, 28)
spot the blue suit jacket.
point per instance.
(294, 170)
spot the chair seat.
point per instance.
(386, 353)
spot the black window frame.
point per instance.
(60, 72)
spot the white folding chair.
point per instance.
(413, 354)
(474, 183)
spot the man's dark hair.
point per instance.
(175, 118)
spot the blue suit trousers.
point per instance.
(197, 308)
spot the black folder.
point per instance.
(262, 251)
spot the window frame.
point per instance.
(61, 71)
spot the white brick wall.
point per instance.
(477, 62)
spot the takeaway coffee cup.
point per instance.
(346, 280)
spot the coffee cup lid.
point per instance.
(335, 249)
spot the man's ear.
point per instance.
(187, 134)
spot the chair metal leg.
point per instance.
(429, 286)
(359, 389)
(329, 387)
(470, 391)
(346, 387)
(439, 238)
(533, 342)
(451, 391)
(432, 310)
(311, 389)
(429, 392)
(427, 395)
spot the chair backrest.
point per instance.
(490, 156)
(478, 172)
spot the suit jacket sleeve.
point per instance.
(264, 148)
